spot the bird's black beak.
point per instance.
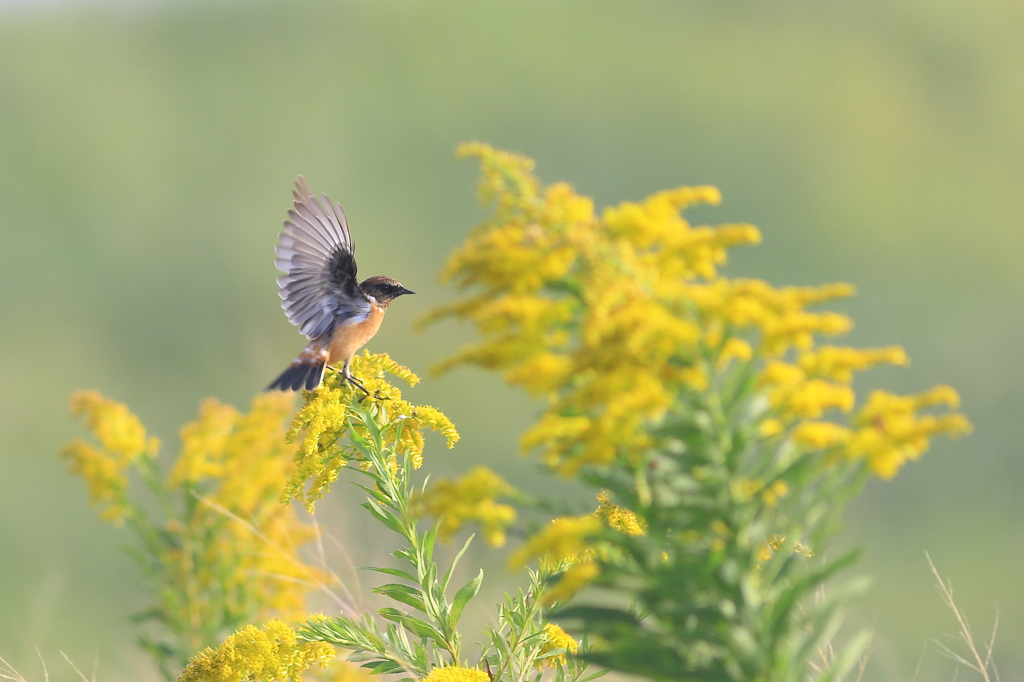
(405, 291)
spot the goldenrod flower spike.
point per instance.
(455, 502)
(892, 432)
(556, 644)
(122, 441)
(619, 518)
(321, 426)
(454, 673)
(269, 653)
(223, 549)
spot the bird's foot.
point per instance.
(358, 384)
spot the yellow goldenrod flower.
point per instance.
(619, 518)
(776, 542)
(563, 543)
(229, 549)
(891, 432)
(119, 431)
(454, 673)
(320, 427)
(122, 440)
(773, 493)
(820, 435)
(470, 498)
(203, 442)
(556, 640)
(734, 349)
(771, 427)
(270, 653)
(614, 316)
(839, 364)
(562, 539)
(104, 476)
(577, 576)
(812, 399)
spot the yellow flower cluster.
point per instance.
(619, 518)
(241, 540)
(253, 654)
(454, 673)
(470, 498)
(227, 545)
(612, 316)
(322, 423)
(122, 441)
(890, 431)
(743, 489)
(556, 640)
(564, 544)
(886, 432)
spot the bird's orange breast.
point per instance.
(346, 340)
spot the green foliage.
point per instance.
(720, 586)
(215, 548)
(421, 634)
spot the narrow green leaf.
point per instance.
(455, 562)
(373, 428)
(361, 443)
(412, 624)
(376, 494)
(406, 594)
(462, 597)
(389, 571)
(385, 517)
(428, 542)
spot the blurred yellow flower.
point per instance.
(470, 498)
(820, 435)
(562, 539)
(619, 518)
(839, 364)
(563, 544)
(615, 316)
(891, 432)
(122, 441)
(226, 550)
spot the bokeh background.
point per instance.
(147, 151)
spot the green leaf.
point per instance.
(384, 667)
(428, 542)
(462, 597)
(397, 572)
(361, 443)
(372, 427)
(412, 624)
(592, 614)
(406, 594)
(385, 517)
(376, 494)
(455, 562)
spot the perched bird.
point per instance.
(319, 292)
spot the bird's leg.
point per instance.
(346, 375)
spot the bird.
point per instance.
(320, 294)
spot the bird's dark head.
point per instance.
(383, 290)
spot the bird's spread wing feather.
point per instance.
(316, 253)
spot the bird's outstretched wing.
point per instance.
(316, 253)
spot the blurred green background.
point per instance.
(147, 153)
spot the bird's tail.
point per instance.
(306, 371)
